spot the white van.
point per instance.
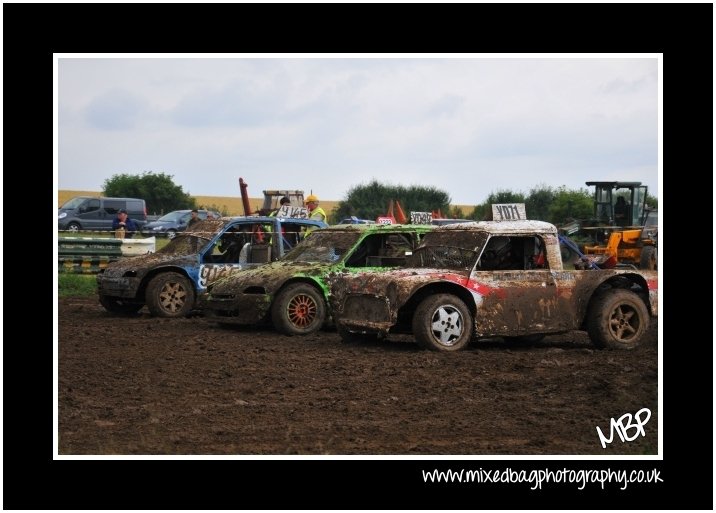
(87, 213)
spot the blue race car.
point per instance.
(170, 280)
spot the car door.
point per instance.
(240, 245)
(516, 291)
(90, 214)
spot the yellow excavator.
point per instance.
(624, 230)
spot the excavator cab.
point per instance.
(620, 204)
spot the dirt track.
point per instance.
(143, 385)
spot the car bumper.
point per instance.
(117, 286)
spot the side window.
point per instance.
(537, 257)
(395, 245)
(382, 250)
(513, 254)
(228, 249)
(359, 257)
(89, 206)
(113, 206)
(291, 234)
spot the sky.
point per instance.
(467, 125)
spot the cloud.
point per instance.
(465, 125)
(116, 109)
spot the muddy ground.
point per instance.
(144, 385)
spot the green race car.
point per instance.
(293, 293)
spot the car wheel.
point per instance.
(171, 234)
(170, 295)
(442, 323)
(299, 309)
(617, 319)
(74, 227)
(119, 305)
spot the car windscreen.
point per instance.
(185, 244)
(172, 216)
(323, 247)
(73, 203)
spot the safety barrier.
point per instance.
(87, 255)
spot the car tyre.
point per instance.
(299, 309)
(170, 295)
(648, 258)
(171, 234)
(442, 323)
(617, 319)
(74, 227)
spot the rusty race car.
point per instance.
(493, 278)
(169, 280)
(293, 293)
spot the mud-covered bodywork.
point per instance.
(247, 297)
(508, 274)
(208, 250)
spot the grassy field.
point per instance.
(230, 204)
(76, 285)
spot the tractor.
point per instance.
(271, 199)
(622, 231)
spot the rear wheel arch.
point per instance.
(627, 281)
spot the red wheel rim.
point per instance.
(302, 310)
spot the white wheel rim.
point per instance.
(447, 325)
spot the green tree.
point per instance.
(538, 202)
(570, 204)
(652, 201)
(368, 201)
(483, 211)
(455, 213)
(223, 210)
(158, 190)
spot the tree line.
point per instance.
(158, 190)
(371, 200)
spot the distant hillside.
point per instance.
(230, 204)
